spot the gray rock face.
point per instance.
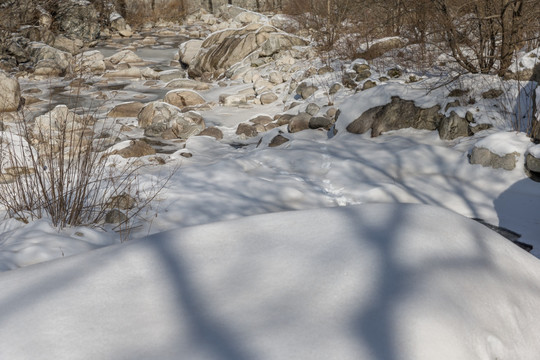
(278, 140)
(398, 114)
(486, 158)
(10, 93)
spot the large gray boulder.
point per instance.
(398, 114)
(223, 49)
(454, 126)
(10, 93)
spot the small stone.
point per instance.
(115, 216)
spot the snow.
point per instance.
(330, 246)
(502, 143)
(376, 281)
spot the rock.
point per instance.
(149, 73)
(320, 122)
(453, 127)
(57, 121)
(129, 109)
(305, 90)
(486, 158)
(363, 75)
(458, 92)
(299, 122)
(169, 75)
(232, 100)
(118, 23)
(394, 73)
(72, 46)
(312, 109)
(476, 128)
(360, 67)
(492, 93)
(261, 120)
(283, 119)
(223, 49)
(398, 114)
(122, 201)
(90, 62)
(50, 61)
(334, 88)
(188, 50)
(532, 163)
(368, 84)
(213, 132)
(10, 93)
(130, 72)
(278, 140)
(187, 84)
(182, 98)
(160, 117)
(250, 17)
(115, 216)
(268, 97)
(348, 81)
(136, 148)
(124, 56)
(275, 77)
(246, 130)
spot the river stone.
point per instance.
(278, 140)
(182, 98)
(187, 84)
(246, 130)
(299, 122)
(10, 93)
(137, 148)
(129, 109)
(486, 158)
(124, 56)
(213, 132)
(268, 98)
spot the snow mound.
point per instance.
(378, 281)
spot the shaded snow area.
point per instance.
(375, 281)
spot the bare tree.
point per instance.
(482, 35)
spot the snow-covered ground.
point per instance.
(377, 261)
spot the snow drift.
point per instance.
(377, 281)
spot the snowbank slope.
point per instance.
(378, 281)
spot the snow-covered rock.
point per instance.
(10, 93)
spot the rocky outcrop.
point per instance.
(10, 93)
(223, 49)
(188, 50)
(398, 114)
